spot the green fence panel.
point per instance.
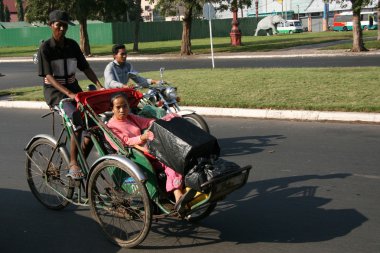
(22, 36)
(121, 32)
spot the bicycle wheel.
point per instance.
(119, 203)
(46, 179)
(201, 213)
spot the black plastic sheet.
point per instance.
(206, 170)
(178, 143)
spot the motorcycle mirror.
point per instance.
(91, 87)
(162, 69)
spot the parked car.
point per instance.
(290, 26)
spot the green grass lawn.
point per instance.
(326, 89)
(221, 45)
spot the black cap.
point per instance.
(59, 16)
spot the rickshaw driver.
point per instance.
(58, 59)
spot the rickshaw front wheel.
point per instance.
(120, 203)
(201, 212)
(45, 172)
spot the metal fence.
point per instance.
(110, 33)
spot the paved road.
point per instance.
(23, 74)
(314, 188)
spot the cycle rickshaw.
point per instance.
(123, 190)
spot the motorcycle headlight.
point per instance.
(151, 96)
(170, 93)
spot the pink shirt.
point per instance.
(128, 130)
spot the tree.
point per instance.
(190, 8)
(20, 10)
(357, 33)
(378, 18)
(81, 10)
(7, 14)
(134, 14)
(1, 11)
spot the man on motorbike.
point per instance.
(58, 59)
(116, 73)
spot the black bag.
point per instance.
(206, 170)
(178, 143)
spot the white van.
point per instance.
(290, 26)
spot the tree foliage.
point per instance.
(83, 10)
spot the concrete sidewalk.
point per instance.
(246, 113)
(299, 51)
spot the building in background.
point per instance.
(148, 7)
(310, 12)
(12, 9)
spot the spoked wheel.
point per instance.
(120, 203)
(46, 179)
(201, 213)
(197, 120)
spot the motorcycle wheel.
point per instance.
(197, 120)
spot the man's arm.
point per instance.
(92, 77)
(59, 86)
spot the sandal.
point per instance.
(75, 172)
(180, 206)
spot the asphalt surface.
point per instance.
(304, 51)
(313, 188)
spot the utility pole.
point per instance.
(325, 24)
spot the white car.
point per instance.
(290, 26)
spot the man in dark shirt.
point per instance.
(59, 57)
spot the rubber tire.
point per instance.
(39, 190)
(114, 234)
(197, 120)
(207, 211)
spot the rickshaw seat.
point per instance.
(100, 100)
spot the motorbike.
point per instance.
(164, 96)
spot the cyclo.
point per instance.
(123, 190)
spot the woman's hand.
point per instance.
(148, 135)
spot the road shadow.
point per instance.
(246, 145)
(27, 226)
(281, 210)
(284, 210)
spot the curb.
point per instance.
(245, 113)
(277, 54)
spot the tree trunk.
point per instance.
(84, 40)
(357, 33)
(378, 18)
(137, 27)
(186, 32)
